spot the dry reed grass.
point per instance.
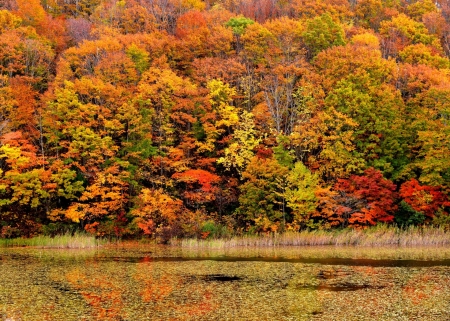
(76, 241)
(375, 236)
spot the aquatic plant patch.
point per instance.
(164, 283)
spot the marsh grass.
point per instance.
(76, 241)
(382, 235)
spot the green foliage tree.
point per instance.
(238, 24)
(322, 33)
(299, 193)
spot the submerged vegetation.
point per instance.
(215, 118)
(151, 283)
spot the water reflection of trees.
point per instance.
(143, 290)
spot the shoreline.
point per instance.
(372, 237)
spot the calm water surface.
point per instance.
(166, 283)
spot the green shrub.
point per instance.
(407, 216)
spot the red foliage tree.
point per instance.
(366, 200)
(425, 199)
(201, 186)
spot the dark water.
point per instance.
(163, 283)
(323, 261)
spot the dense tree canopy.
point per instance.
(134, 117)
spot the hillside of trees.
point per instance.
(177, 117)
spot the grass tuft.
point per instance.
(75, 241)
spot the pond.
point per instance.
(169, 283)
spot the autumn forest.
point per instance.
(187, 118)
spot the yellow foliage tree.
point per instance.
(156, 209)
